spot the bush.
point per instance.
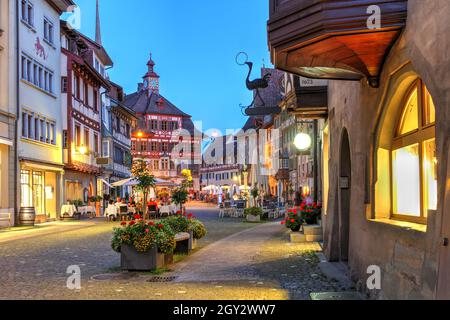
(254, 211)
(178, 223)
(198, 228)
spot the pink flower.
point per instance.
(147, 230)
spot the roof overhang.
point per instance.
(61, 5)
(333, 39)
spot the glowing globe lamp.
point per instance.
(302, 141)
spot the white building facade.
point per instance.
(41, 172)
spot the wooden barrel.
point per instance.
(27, 216)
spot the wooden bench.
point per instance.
(184, 243)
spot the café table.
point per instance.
(68, 210)
(86, 210)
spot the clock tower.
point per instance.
(151, 78)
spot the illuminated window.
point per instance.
(25, 189)
(38, 192)
(414, 163)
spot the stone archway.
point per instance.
(344, 196)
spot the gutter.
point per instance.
(16, 133)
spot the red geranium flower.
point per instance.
(132, 222)
(292, 220)
(178, 212)
(151, 223)
(147, 230)
(123, 223)
(283, 222)
(137, 216)
(160, 226)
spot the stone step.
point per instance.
(313, 230)
(313, 238)
(297, 237)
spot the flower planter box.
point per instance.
(132, 260)
(168, 259)
(252, 218)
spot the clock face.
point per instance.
(153, 83)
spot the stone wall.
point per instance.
(407, 254)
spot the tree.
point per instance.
(146, 180)
(255, 194)
(180, 195)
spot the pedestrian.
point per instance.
(111, 211)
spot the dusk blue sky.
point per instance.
(194, 44)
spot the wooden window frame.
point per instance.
(419, 136)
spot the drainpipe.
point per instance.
(16, 130)
(316, 162)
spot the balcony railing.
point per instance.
(334, 39)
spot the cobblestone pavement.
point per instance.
(237, 261)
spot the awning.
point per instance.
(134, 182)
(125, 182)
(106, 182)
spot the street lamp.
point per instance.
(82, 150)
(303, 141)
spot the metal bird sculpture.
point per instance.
(254, 85)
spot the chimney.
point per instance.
(98, 34)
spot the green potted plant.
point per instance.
(310, 212)
(253, 214)
(293, 221)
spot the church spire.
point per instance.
(98, 34)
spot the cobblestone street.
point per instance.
(236, 260)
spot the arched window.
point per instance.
(413, 157)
